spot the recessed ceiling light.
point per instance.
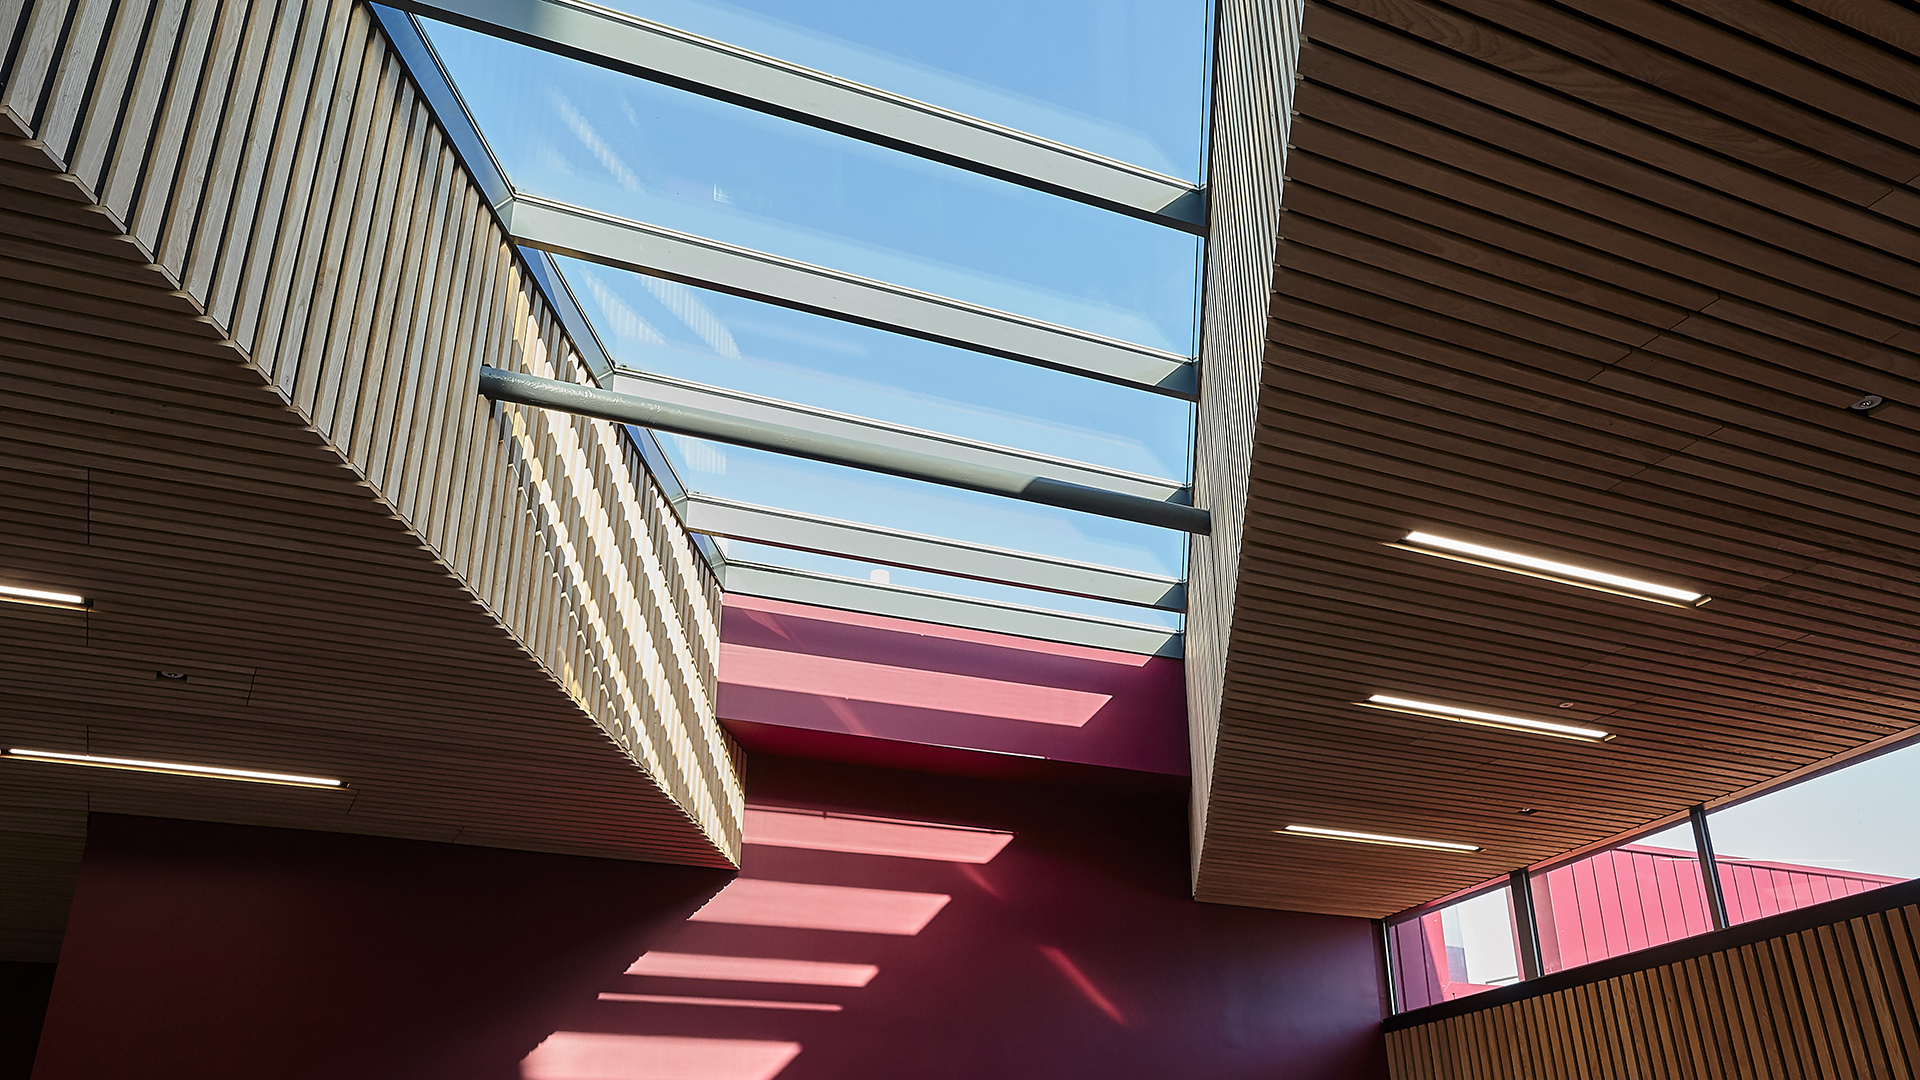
(1565, 573)
(1485, 719)
(1376, 838)
(18, 595)
(173, 768)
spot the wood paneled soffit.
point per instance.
(1594, 279)
(247, 288)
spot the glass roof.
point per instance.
(579, 134)
(948, 584)
(666, 328)
(1123, 80)
(1126, 79)
(890, 502)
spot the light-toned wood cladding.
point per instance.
(245, 289)
(1834, 1002)
(1597, 280)
(1253, 94)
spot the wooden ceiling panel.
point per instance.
(1595, 280)
(145, 465)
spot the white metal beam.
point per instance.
(649, 50)
(695, 260)
(885, 437)
(875, 598)
(870, 543)
(782, 428)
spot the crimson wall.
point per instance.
(1065, 946)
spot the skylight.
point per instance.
(582, 135)
(1057, 321)
(1128, 81)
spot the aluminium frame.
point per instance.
(631, 45)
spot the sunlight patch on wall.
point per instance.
(872, 836)
(589, 1055)
(795, 905)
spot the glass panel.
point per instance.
(1840, 833)
(1455, 951)
(738, 551)
(1644, 892)
(651, 324)
(834, 491)
(580, 134)
(1122, 78)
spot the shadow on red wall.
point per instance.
(200, 950)
(884, 925)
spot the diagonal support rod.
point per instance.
(706, 423)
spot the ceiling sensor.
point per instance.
(1866, 405)
(1526, 810)
(179, 675)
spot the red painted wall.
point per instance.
(788, 671)
(1065, 947)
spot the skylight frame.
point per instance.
(736, 520)
(949, 609)
(649, 50)
(933, 317)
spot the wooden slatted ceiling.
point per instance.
(237, 343)
(1595, 279)
(1832, 1002)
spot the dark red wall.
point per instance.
(213, 951)
(788, 671)
(24, 989)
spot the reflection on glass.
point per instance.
(1844, 832)
(659, 326)
(1643, 893)
(580, 134)
(765, 554)
(1123, 78)
(834, 491)
(1455, 951)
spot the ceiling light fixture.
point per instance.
(1485, 719)
(1376, 838)
(1564, 573)
(174, 768)
(16, 594)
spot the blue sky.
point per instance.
(1864, 818)
(1126, 80)
(583, 135)
(1123, 78)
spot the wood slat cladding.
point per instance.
(1253, 88)
(247, 288)
(1597, 280)
(1834, 1001)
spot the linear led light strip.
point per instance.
(1376, 838)
(1485, 719)
(1565, 573)
(174, 768)
(18, 595)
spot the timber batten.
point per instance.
(249, 287)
